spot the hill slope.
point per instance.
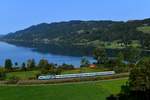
(83, 32)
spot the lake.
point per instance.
(21, 54)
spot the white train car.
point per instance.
(45, 77)
(65, 76)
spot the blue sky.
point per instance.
(19, 14)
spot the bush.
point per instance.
(66, 67)
(2, 74)
(31, 78)
(13, 80)
(111, 97)
(53, 71)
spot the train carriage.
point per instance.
(65, 76)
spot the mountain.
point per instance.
(1, 36)
(92, 33)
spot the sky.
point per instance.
(19, 14)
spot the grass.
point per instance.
(145, 29)
(83, 70)
(22, 75)
(113, 86)
(110, 45)
(82, 91)
(113, 44)
(32, 74)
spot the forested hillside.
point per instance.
(91, 33)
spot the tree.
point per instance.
(43, 63)
(120, 66)
(139, 78)
(56, 71)
(31, 64)
(85, 62)
(111, 97)
(8, 64)
(16, 64)
(100, 55)
(132, 54)
(145, 41)
(48, 69)
(138, 85)
(23, 67)
(66, 67)
(120, 57)
(51, 70)
(2, 74)
(127, 42)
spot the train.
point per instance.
(80, 75)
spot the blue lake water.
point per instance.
(22, 54)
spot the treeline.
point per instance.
(44, 67)
(123, 62)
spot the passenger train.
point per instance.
(80, 75)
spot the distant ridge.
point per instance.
(78, 32)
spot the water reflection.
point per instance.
(21, 54)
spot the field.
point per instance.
(69, 91)
(22, 75)
(111, 45)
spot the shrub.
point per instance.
(2, 74)
(66, 67)
(13, 80)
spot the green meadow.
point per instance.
(32, 74)
(69, 91)
(145, 29)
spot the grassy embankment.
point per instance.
(32, 74)
(73, 91)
